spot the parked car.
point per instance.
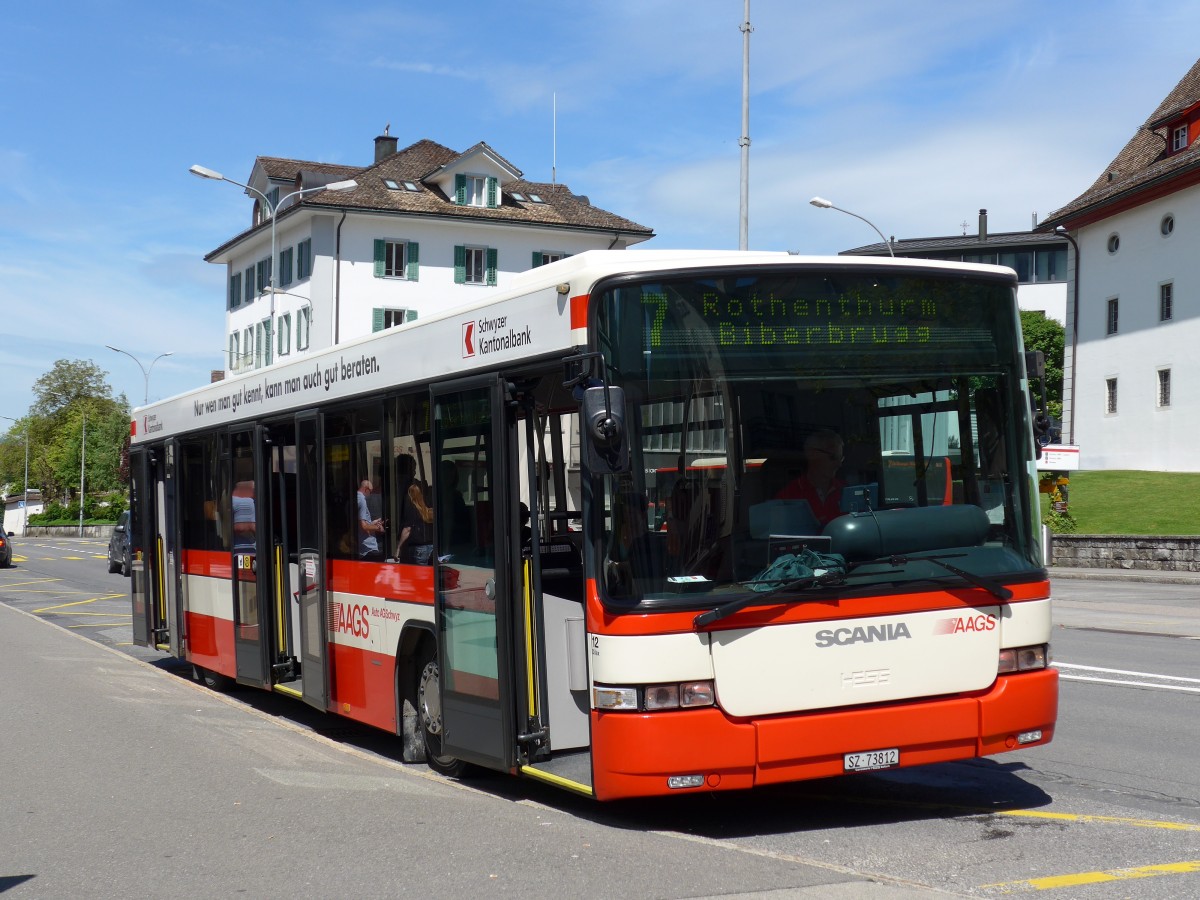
(5, 550)
(118, 547)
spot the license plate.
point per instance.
(871, 760)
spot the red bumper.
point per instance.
(633, 755)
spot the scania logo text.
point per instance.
(862, 634)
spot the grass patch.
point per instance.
(1124, 502)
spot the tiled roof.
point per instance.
(965, 243)
(288, 168)
(560, 208)
(1142, 162)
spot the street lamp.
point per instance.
(25, 504)
(348, 185)
(145, 371)
(822, 203)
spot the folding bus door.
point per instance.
(473, 606)
(314, 668)
(145, 541)
(251, 560)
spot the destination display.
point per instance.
(911, 313)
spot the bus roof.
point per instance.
(543, 312)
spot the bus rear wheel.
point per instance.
(429, 707)
(214, 681)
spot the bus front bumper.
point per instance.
(635, 755)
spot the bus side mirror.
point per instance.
(604, 433)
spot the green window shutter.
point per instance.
(493, 191)
(379, 253)
(537, 258)
(410, 315)
(460, 264)
(460, 189)
(377, 319)
(492, 256)
(414, 261)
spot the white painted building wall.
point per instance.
(1049, 298)
(1140, 434)
(355, 291)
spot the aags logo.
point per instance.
(468, 345)
(965, 624)
(351, 620)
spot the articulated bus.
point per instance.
(550, 533)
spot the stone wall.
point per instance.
(1167, 553)
(91, 531)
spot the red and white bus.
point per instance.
(614, 592)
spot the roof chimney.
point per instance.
(983, 226)
(385, 144)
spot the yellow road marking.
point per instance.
(46, 609)
(1106, 820)
(39, 581)
(73, 557)
(1020, 813)
(1079, 878)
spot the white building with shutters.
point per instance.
(1133, 320)
(425, 228)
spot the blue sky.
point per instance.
(914, 115)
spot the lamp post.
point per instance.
(82, 466)
(822, 203)
(145, 370)
(25, 503)
(348, 185)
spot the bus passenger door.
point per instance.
(145, 536)
(314, 670)
(473, 611)
(251, 561)
(167, 482)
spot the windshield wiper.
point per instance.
(832, 577)
(992, 587)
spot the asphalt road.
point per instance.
(122, 777)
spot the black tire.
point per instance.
(212, 680)
(429, 709)
(113, 567)
(126, 564)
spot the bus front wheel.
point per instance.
(429, 706)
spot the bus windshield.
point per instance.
(852, 413)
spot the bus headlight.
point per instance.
(615, 698)
(1023, 659)
(655, 697)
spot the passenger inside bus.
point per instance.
(456, 531)
(368, 528)
(415, 545)
(819, 483)
(244, 522)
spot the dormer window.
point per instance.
(536, 198)
(520, 198)
(1179, 137)
(476, 190)
(392, 185)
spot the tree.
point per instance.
(68, 382)
(72, 391)
(1043, 333)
